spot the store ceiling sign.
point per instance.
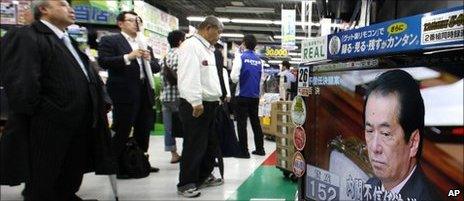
(438, 28)
(276, 52)
(442, 28)
(96, 11)
(154, 19)
(394, 36)
(314, 49)
(288, 29)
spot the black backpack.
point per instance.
(134, 161)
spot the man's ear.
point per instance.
(414, 143)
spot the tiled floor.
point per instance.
(162, 185)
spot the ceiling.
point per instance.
(264, 33)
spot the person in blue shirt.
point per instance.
(246, 72)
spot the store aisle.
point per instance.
(162, 185)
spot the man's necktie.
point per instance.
(73, 51)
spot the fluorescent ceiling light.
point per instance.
(251, 21)
(298, 23)
(294, 62)
(200, 19)
(296, 59)
(237, 3)
(232, 35)
(294, 54)
(237, 9)
(274, 61)
(296, 37)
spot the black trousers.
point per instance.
(199, 146)
(248, 107)
(138, 115)
(45, 185)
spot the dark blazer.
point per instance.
(123, 80)
(417, 187)
(47, 91)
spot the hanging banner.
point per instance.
(154, 19)
(438, 29)
(288, 29)
(96, 11)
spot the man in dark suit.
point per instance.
(130, 64)
(57, 128)
(394, 130)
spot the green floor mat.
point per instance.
(267, 182)
(159, 129)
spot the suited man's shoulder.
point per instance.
(420, 187)
(111, 37)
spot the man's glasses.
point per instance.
(138, 20)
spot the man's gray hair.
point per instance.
(211, 21)
(36, 4)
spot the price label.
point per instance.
(303, 81)
(322, 184)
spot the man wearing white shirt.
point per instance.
(394, 131)
(199, 91)
(131, 64)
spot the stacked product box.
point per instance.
(284, 134)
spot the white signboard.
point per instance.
(303, 81)
(288, 29)
(442, 28)
(321, 184)
(314, 49)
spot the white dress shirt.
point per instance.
(63, 35)
(134, 45)
(198, 79)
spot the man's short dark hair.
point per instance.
(122, 16)
(249, 41)
(410, 103)
(286, 64)
(174, 37)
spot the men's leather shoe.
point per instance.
(122, 176)
(259, 152)
(154, 169)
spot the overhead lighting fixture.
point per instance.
(296, 59)
(251, 21)
(296, 37)
(238, 9)
(200, 19)
(237, 3)
(232, 35)
(294, 62)
(274, 61)
(248, 21)
(294, 54)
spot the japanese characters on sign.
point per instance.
(366, 63)
(380, 38)
(321, 184)
(442, 28)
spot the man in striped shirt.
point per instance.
(170, 93)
